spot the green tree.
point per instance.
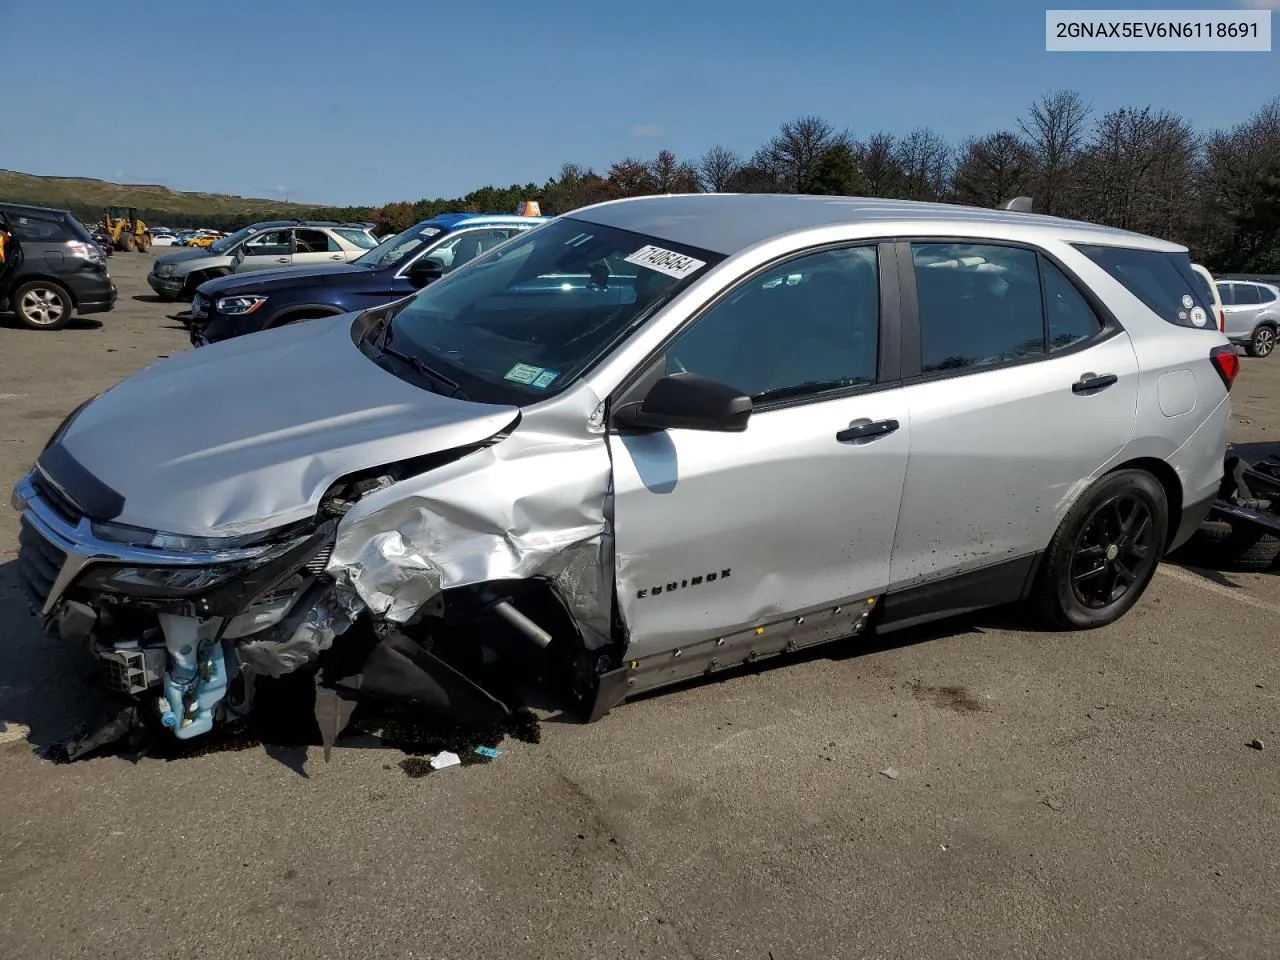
(836, 173)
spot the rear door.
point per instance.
(268, 250)
(1018, 391)
(1242, 310)
(718, 534)
(315, 248)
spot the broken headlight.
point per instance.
(160, 581)
(238, 306)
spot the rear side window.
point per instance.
(1266, 295)
(1246, 294)
(979, 305)
(39, 229)
(1164, 282)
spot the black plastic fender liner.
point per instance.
(399, 671)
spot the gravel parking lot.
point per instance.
(1055, 795)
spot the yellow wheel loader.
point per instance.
(127, 232)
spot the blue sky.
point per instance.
(365, 103)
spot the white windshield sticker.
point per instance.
(1198, 317)
(1187, 301)
(665, 261)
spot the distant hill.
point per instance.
(87, 197)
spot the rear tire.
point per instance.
(144, 243)
(1104, 554)
(1263, 342)
(127, 242)
(42, 305)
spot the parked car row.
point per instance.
(261, 246)
(641, 442)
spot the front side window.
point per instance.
(269, 243)
(228, 242)
(802, 329)
(1165, 282)
(523, 321)
(466, 245)
(979, 305)
(36, 229)
(1225, 294)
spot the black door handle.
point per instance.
(863, 430)
(1092, 382)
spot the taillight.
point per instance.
(1227, 362)
(1222, 320)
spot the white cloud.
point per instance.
(1261, 4)
(649, 131)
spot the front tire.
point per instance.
(1263, 342)
(41, 305)
(127, 242)
(1104, 554)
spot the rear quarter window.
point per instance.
(1164, 282)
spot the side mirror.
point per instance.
(689, 402)
(425, 271)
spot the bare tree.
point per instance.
(1138, 173)
(878, 161)
(575, 187)
(671, 175)
(991, 170)
(717, 167)
(1233, 173)
(925, 160)
(1054, 130)
(797, 149)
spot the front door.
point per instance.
(1022, 394)
(269, 250)
(717, 533)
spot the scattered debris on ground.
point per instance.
(890, 772)
(1258, 745)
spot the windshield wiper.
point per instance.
(442, 384)
(809, 386)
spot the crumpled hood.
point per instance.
(184, 253)
(247, 434)
(259, 280)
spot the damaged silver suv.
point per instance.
(652, 439)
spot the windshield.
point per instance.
(522, 322)
(227, 242)
(394, 249)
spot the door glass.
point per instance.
(1071, 319)
(269, 243)
(1225, 295)
(979, 305)
(311, 241)
(357, 238)
(1246, 295)
(468, 245)
(805, 327)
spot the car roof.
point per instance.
(726, 223)
(452, 221)
(33, 209)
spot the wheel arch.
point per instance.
(22, 281)
(301, 311)
(1168, 479)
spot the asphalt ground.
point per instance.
(1054, 795)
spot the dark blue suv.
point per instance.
(397, 267)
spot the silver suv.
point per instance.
(271, 245)
(1252, 311)
(643, 442)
